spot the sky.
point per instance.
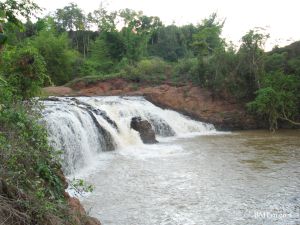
(280, 18)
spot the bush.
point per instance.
(59, 57)
(278, 99)
(148, 70)
(186, 69)
(25, 70)
(28, 166)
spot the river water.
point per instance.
(195, 175)
(250, 177)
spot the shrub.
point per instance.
(28, 165)
(147, 70)
(278, 99)
(186, 69)
(25, 70)
(59, 57)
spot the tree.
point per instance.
(70, 17)
(210, 48)
(105, 21)
(276, 62)
(25, 70)
(11, 10)
(101, 59)
(278, 99)
(208, 39)
(169, 44)
(136, 33)
(3, 37)
(59, 57)
(250, 67)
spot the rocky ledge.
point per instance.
(199, 103)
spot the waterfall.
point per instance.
(83, 127)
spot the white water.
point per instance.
(72, 128)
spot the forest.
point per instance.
(100, 45)
(69, 45)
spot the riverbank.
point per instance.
(12, 211)
(199, 103)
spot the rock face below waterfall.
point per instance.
(145, 129)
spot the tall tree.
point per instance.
(72, 19)
(208, 38)
(136, 32)
(59, 57)
(250, 67)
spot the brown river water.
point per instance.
(249, 177)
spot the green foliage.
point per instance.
(10, 10)
(168, 43)
(147, 70)
(101, 56)
(275, 62)
(24, 69)
(59, 57)
(294, 65)
(278, 99)
(3, 39)
(93, 78)
(208, 39)
(251, 62)
(70, 17)
(80, 186)
(28, 163)
(134, 43)
(187, 70)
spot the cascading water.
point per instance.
(83, 127)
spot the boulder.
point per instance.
(145, 129)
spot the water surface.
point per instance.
(248, 177)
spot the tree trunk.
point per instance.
(284, 117)
(1, 32)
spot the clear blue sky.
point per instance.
(281, 18)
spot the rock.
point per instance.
(75, 205)
(145, 129)
(79, 214)
(52, 99)
(92, 221)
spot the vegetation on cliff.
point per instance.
(32, 185)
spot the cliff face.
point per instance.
(193, 101)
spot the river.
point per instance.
(195, 175)
(248, 177)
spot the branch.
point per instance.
(287, 119)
